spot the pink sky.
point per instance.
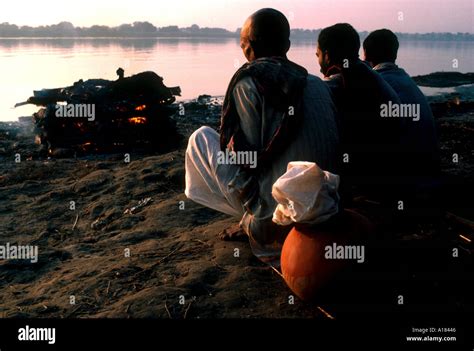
(418, 15)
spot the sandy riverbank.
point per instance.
(174, 251)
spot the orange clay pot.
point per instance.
(303, 264)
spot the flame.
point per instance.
(87, 146)
(137, 120)
(140, 108)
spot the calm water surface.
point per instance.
(198, 66)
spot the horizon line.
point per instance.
(20, 27)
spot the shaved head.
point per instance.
(265, 33)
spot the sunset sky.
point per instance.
(418, 15)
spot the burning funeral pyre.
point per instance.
(98, 115)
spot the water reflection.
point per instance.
(197, 65)
(135, 43)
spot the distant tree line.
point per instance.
(148, 30)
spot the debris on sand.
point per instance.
(141, 203)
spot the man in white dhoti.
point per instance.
(274, 112)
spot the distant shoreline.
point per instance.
(197, 37)
(148, 30)
(305, 39)
(122, 38)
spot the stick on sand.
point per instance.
(75, 222)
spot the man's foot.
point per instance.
(233, 233)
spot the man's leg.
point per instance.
(206, 180)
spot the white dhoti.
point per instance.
(206, 180)
(210, 184)
(227, 187)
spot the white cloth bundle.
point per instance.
(305, 194)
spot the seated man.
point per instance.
(274, 112)
(369, 143)
(419, 133)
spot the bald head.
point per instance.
(265, 33)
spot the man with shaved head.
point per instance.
(266, 33)
(273, 110)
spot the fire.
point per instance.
(137, 120)
(140, 108)
(86, 146)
